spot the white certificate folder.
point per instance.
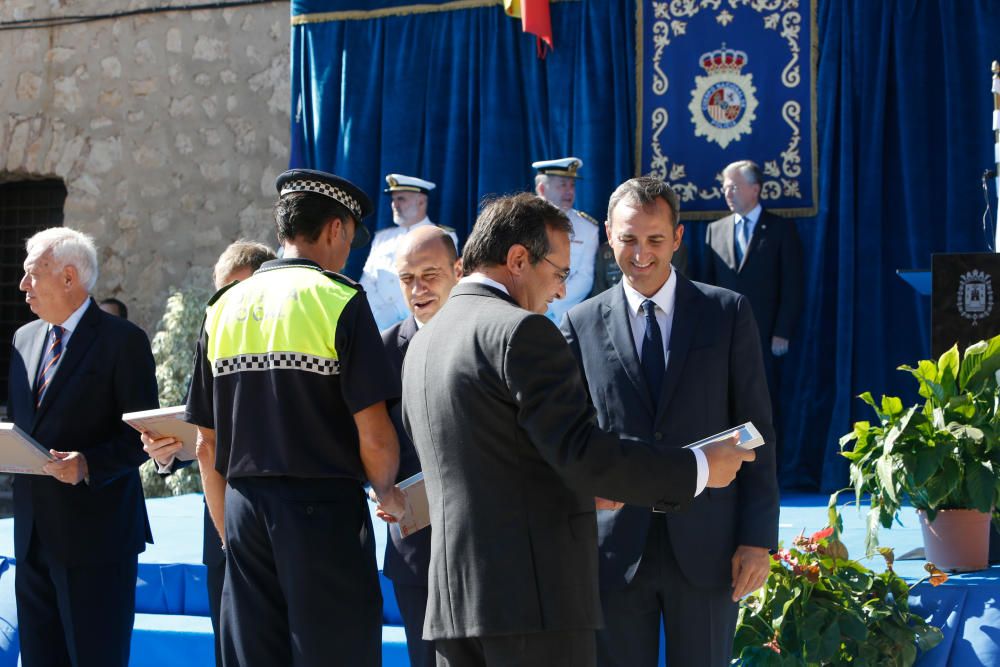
(749, 437)
(20, 453)
(418, 514)
(164, 422)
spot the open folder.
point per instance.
(418, 514)
(164, 422)
(749, 437)
(20, 453)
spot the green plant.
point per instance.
(173, 349)
(820, 608)
(943, 454)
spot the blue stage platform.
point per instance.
(172, 626)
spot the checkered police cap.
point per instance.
(339, 189)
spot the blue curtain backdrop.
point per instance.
(904, 109)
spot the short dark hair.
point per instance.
(523, 218)
(305, 214)
(643, 191)
(111, 301)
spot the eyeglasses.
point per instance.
(731, 188)
(563, 273)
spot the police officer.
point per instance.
(379, 278)
(556, 182)
(288, 394)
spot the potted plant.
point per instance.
(942, 456)
(821, 608)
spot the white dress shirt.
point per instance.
(750, 219)
(664, 313)
(71, 323)
(483, 279)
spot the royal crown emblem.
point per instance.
(723, 104)
(975, 296)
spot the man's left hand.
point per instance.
(779, 346)
(68, 468)
(751, 565)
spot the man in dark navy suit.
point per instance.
(759, 255)
(78, 530)
(428, 267)
(670, 361)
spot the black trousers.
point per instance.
(573, 648)
(214, 578)
(80, 616)
(301, 585)
(699, 623)
(412, 601)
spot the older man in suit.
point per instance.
(758, 254)
(513, 458)
(670, 361)
(78, 530)
(428, 267)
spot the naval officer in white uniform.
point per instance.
(379, 277)
(556, 182)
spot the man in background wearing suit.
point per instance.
(237, 262)
(757, 254)
(428, 267)
(78, 529)
(513, 458)
(671, 361)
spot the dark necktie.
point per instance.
(741, 239)
(651, 358)
(47, 369)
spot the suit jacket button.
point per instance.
(658, 435)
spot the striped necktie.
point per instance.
(48, 367)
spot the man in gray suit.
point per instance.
(513, 458)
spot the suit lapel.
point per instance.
(30, 349)
(686, 316)
(616, 323)
(407, 330)
(725, 246)
(759, 230)
(76, 349)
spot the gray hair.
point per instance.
(750, 170)
(643, 191)
(69, 248)
(240, 254)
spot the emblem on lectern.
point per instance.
(723, 103)
(975, 295)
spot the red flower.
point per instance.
(823, 534)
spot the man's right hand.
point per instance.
(724, 461)
(390, 505)
(163, 450)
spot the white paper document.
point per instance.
(418, 514)
(164, 422)
(20, 453)
(749, 437)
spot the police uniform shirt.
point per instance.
(285, 359)
(582, 251)
(379, 277)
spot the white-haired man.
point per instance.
(78, 530)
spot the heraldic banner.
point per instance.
(726, 80)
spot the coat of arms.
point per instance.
(975, 295)
(723, 102)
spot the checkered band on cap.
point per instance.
(321, 188)
(276, 360)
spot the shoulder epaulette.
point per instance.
(222, 290)
(589, 218)
(343, 280)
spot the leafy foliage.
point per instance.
(821, 608)
(944, 454)
(173, 349)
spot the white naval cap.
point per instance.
(566, 166)
(401, 183)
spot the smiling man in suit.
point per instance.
(758, 254)
(670, 361)
(513, 458)
(78, 530)
(428, 267)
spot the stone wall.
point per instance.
(167, 128)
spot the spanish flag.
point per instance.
(534, 15)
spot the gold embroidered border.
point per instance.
(677, 171)
(406, 10)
